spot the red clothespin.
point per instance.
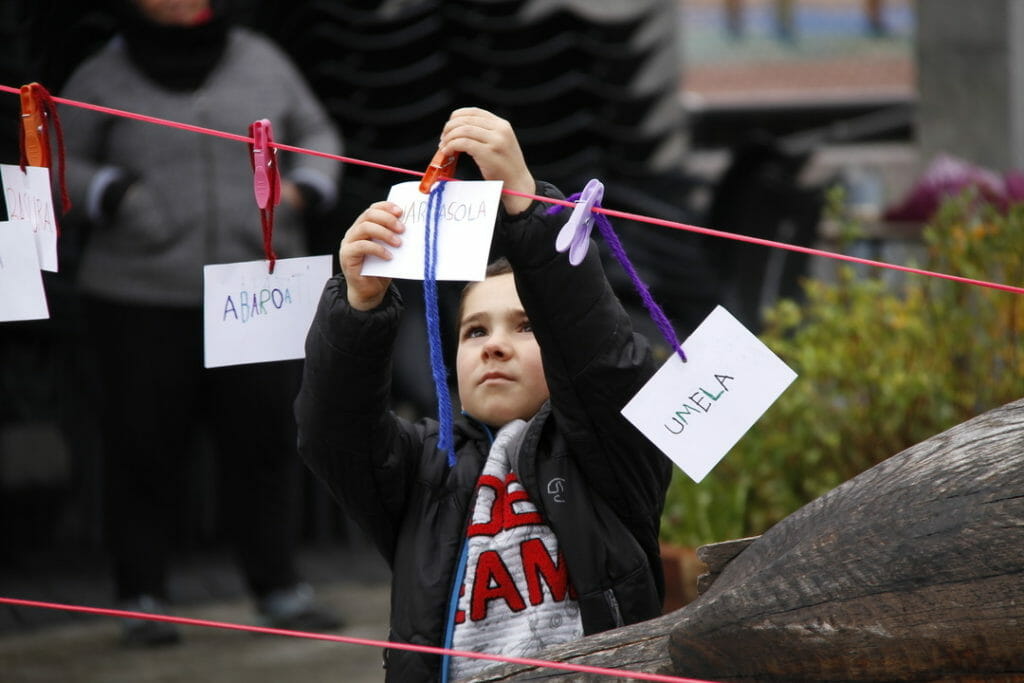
(266, 180)
(441, 166)
(37, 111)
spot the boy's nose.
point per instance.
(497, 346)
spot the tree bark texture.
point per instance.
(911, 571)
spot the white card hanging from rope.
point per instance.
(252, 316)
(696, 411)
(29, 198)
(22, 296)
(469, 210)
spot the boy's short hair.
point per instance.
(500, 266)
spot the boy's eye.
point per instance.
(526, 326)
(475, 331)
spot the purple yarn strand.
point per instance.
(657, 315)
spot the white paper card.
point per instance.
(29, 198)
(21, 284)
(251, 316)
(469, 210)
(696, 411)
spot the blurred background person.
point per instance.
(161, 203)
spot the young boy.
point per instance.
(546, 527)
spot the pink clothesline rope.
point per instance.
(609, 212)
(187, 621)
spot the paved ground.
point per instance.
(87, 652)
(61, 647)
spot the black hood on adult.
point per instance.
(175, 57)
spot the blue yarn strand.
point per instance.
(438, 370)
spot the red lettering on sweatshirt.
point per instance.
(493, 525)
(503, 514)
(538, 565)
(493, 582)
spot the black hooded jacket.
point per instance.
(597, 481)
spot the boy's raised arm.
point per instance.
(347, 434)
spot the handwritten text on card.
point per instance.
(29, 199)
(253, 316)
(696, 411)
(468, 212)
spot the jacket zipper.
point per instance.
(460, 569)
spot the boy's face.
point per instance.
(498, 363)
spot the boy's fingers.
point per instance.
(375, 224)
(358, 251)
(381, 211)
(385, 205)
(466, 145)
(471, 111)
(470, 116)
(476, 127)
(375, 231)
(384, 219)
(384, 212)
(459, 138)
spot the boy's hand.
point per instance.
(379, 222)
(492, 143)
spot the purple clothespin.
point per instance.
(574, 236)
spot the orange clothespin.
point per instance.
(38, 110)
(266, 180)
(34, 132)
(441, 166)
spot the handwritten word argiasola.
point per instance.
(454, 211)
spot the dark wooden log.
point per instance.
(715, 556)
(911, 571)
(640, 647)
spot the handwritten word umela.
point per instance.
(256, 303)
(457, 212)
(697, 403)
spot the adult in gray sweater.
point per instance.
(162, 203)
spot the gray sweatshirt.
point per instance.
(192, 203)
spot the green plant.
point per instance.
(880, 368)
